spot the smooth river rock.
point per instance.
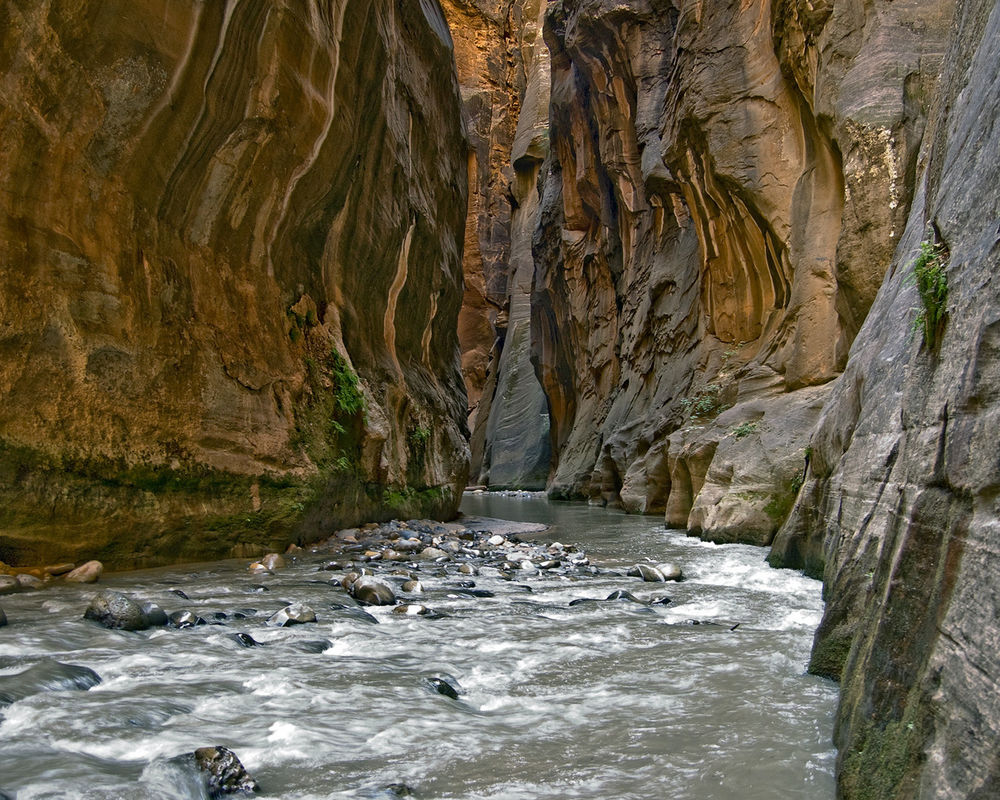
(372, 592)
(116, 610)
(86, 573)
(45, 676)
(293, 614)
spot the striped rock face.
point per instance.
(230, 271)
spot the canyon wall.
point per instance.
(230, 274)
(724, 192)
(503, 69)
(900, 501)
(725, 324)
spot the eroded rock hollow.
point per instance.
(230, 274)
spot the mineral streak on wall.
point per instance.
(230, 274)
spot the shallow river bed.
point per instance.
(609, 701)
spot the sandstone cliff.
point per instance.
(230, 274)
(725, 188)
(503, 69)
(900, 502)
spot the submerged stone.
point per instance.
(45, 676)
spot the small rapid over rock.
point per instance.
(520, 662)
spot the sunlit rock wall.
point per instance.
(230, 274)
(725, 189)
(503, 70)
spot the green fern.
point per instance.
(931, 279)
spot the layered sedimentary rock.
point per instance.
(230, 274)
(724, 191)
(503, 65)
(900, 501)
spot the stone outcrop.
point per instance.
(725, 189)
(503, 69)
(900, 501)
(230, 274)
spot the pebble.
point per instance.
(185, 619)
(86, 573)
(469, 569)
(412, 610)
(432, 554)
(293, 614)
(414, 587)
(496, 540)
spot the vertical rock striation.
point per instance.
(722, 314)
(230, 273)
(504, 72)
(725, 187)
(900, 502)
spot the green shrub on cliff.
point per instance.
(931, 279)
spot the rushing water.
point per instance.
(610, 701)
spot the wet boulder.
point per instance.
(415, 587)
(3, 618)
(185, 619)
(30, 582)
(244, 640)
(671, 572)
(86, 573)
(216, 772)
(9, 584)
(443, 687)
(117, 611)
(354, 612)
(45, 676)
(372, 592)
(274, 561)
(154, 615)
(621, 594)
(658, 574)
(292, 614)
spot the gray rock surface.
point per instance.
(294, 614)
(116, 610)
(45, 676)
(900, 503)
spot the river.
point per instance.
(607, 701)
